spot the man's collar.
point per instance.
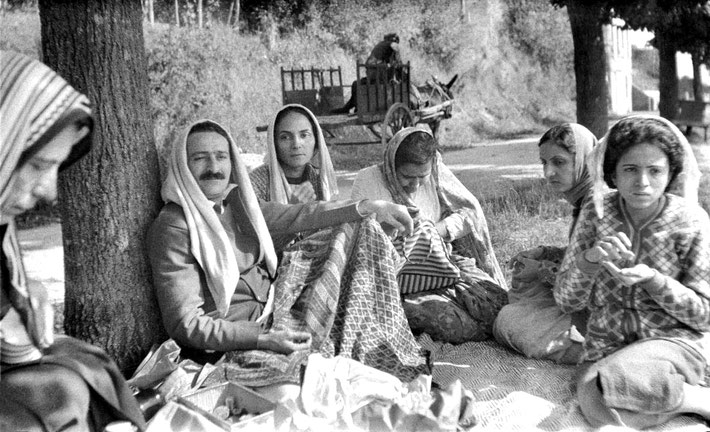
(219, 205)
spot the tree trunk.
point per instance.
(109, 198)
(698, 93)
(590, 66)
(236, 14)
(177, 13)
(668, 76)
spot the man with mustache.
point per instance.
(211, 251)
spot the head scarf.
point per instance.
(35, 104)
(209, 242)
(453, 197)
(584, 143)
(685, 184)
(279, 189)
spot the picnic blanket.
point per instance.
(515, 393)
(339, 284)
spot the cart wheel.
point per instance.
(399, 116)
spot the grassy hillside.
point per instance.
(506, 85)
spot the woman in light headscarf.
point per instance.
(45, 383)
(532, 323)
(297, 166)
(413, 174)
(639, 263)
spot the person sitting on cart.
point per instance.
(386, 52)
(297, 167)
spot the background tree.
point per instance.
(109, 198)
(678, 25)
(590, 64)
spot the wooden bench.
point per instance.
(693, 114)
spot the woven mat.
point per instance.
(515, 393)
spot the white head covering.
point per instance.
(35, 104)
(279, 189)
(209, 242)
(685, 183)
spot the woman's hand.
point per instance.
(302, 193)
(611, 248)
(631, 275)
(284, 341)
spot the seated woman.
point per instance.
(531, 322)
(297, 166)
(45, 383)
(413, 175)
(639, 262)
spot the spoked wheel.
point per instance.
(398, 117)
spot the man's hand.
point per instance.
(284, 341)
(302, 193)
(630, 276)
(394, 218)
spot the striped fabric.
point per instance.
(35, 103)
(428, 263)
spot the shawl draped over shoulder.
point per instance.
(453, 198)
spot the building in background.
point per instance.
(619, 68)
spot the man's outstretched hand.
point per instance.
(394, 218)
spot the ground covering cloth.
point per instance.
(340, 285)
(516, 393)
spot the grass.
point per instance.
(522, 215)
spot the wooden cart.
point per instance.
(383, 102)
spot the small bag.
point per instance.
(428, 263)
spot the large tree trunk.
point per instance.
(110, 197)
(589, 66)
(668, 76)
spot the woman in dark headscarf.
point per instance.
(45, 383)
(532, 323)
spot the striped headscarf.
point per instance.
(35, 105)
(453, 197)
(209, 242)
(279, 189)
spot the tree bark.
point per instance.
(668, 76)
(590, 66)
(109, 198)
